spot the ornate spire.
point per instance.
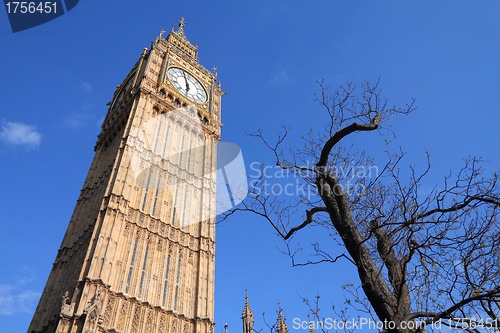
(281, 328)
(180, 44)
(180, 30)
(247, 316)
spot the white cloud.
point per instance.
(5, 289)
(77, 120)
(15, 300)
(86, 87)
(19, 134)
(87, 106)
(23, 301)
(280, 76)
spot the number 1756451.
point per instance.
(25, 7)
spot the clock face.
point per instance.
(187, 85)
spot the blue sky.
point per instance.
(57, 78)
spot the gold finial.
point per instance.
(162, 32)
(181, 23)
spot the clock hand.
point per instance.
(185, 79)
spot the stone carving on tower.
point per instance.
(138, 254)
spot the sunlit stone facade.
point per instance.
(138, 254)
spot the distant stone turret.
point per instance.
(281, 328)
(247, 317)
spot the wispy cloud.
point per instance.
(86, 87)
(19, 134)
(13, 299)
(77, 120)
(280, 76)
(24, 301)
(100, 121)
(87, 106)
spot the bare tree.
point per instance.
(422, 256)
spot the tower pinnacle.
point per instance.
(281, 328)
(181, 23)
(247, 316)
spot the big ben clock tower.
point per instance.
(138, 254)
